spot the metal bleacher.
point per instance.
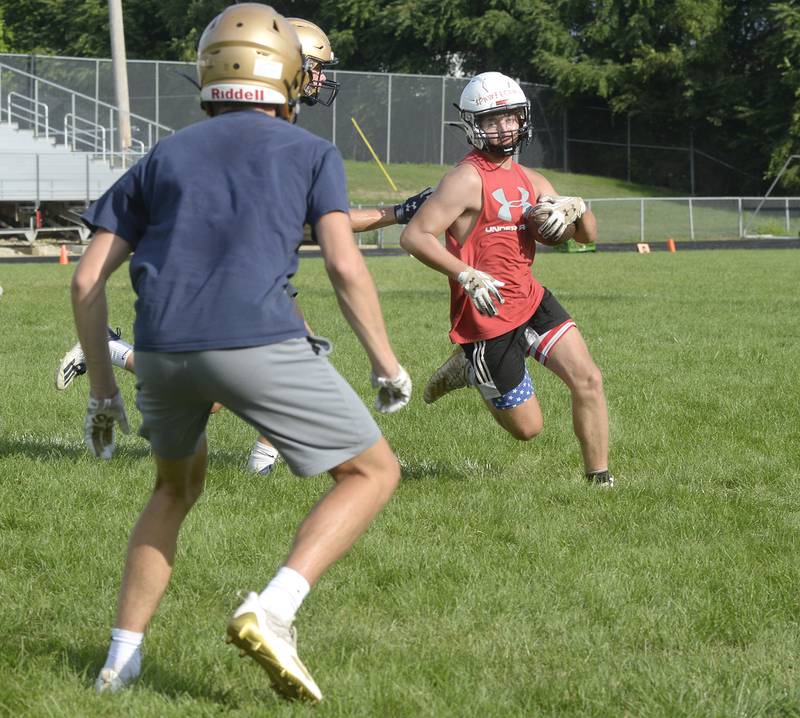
(59, 150)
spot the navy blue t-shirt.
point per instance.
(215, 215)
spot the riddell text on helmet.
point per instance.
(237, 94)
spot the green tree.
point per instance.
(781, 113)
(726, 71)
(6, 36)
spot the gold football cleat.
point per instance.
(273, 645)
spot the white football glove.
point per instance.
(552, 215)
(393, 394)
(481, 287)
(98, 427)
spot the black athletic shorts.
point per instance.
(499, 363)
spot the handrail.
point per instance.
(93, 100)
(32, 115)
(96, 131)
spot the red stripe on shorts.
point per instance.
(550, 339)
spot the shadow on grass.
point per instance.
(85, 662)
(426, 470)
(51, 448)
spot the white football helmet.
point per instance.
(494, 93)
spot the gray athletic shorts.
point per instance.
(288, 391)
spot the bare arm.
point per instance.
(103, 256)
(586, 228)
(454, 196)
(355, 291)
(363, 220)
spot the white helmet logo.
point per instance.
(505, 205)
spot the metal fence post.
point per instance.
(441, 131)
(96, 91)
(741, 217)
(641, 220)
(36, 108)
(566, 150)
(691, 161)
(72, 96)
(38, 179)
(389, 122)
(629, 147)
(380, 232)
(158, 104)
(691, 219)
(333, 118)
(788, 222)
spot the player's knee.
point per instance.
(392, 474)
(387, 468)
(181, 495)
(594, 380)
(527, 430)
(377, 464)
(589, 381)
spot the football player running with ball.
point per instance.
(318, 89)
(212, 219)
(492, 211)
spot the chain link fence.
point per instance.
(630, 220)
(405, 118)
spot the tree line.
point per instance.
(726, 71)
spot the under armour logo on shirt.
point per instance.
(506, 205)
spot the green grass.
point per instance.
(495, 583)
(367, 184)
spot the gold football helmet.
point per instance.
(251, 54)
(317, 55)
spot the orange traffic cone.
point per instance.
(671, 245)
(63, 258)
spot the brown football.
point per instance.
(533, 232)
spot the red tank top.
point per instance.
(498, 245)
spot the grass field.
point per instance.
(367, 185)
(495, 583)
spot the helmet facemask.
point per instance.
(491, 141)
(317, 57)
(316, 89)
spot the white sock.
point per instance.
(284, 594)
(261, 456)
(268, 454)
(119, 351)
(124, 654)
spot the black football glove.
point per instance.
(404, 211)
